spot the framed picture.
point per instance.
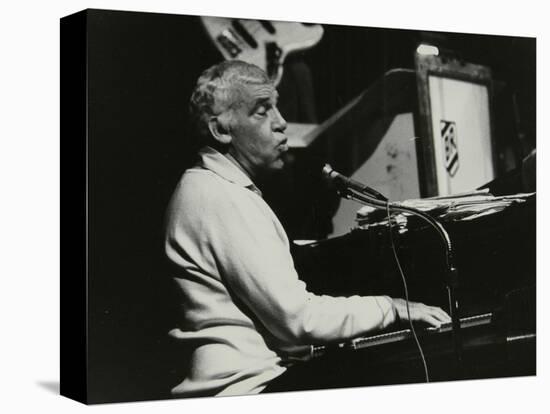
(267, 273)
(448, 88)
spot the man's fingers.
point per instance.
(440, 314)
(429, 319)
(431, 315)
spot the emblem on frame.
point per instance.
(448, 134)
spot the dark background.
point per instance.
(141, 70)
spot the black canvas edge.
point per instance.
(73, 207)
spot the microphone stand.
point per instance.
(452, 272)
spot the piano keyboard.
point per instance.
(396, 336)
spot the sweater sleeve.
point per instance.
(253, 259)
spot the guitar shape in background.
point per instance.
(261, 42)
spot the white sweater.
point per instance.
(243, 307)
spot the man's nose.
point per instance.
(279, 123)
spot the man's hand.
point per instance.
(419, 312)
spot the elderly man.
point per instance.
(244, 312)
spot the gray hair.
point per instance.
(215, 92)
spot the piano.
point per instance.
(496, 261)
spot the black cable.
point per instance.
(449, 258)
(452, 274)
(406, 295)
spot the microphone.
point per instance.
(362, 193)
(343, 183)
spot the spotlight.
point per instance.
(425, 49)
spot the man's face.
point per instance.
(257, 130)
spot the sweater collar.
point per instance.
(226, 168)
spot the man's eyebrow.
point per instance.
(262, 101)
(265, 100)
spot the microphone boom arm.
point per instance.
(452, 273)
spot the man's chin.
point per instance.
(281, 162)
(274, 168)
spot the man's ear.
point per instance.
(219, 130)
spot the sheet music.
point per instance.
(465, 206)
